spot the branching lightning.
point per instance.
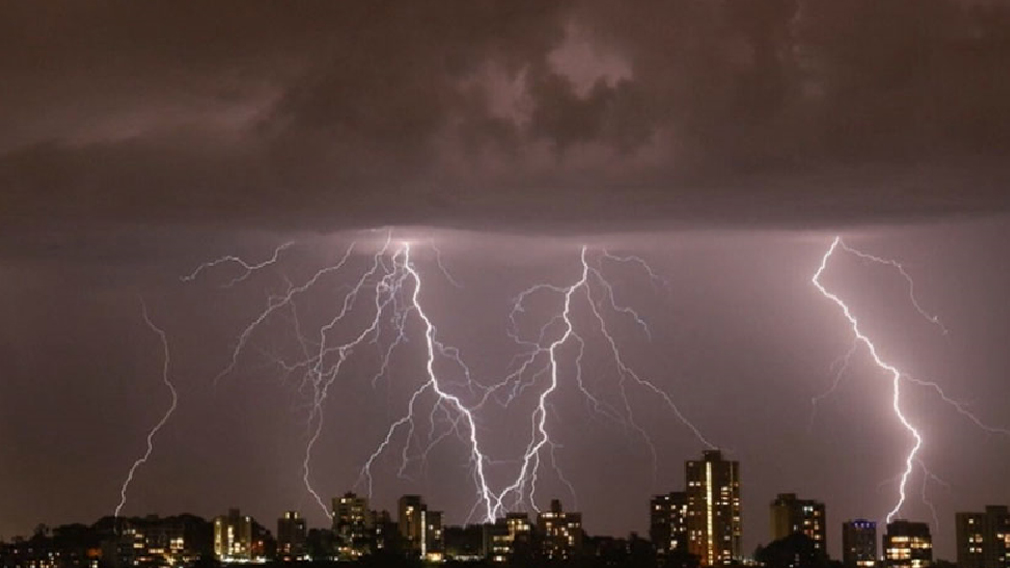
(386, 297)
(911, 458)
(893, 371)
(543, 357)
(935, 320)
(247, 269)
(164, 418)
(445, 401)
(382, 305)
(393, 286)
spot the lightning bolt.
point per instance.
(388, 296)
(928, 476)
(842, 366)
(893, 371)
(960, 407)
(861, 339)
(935, 320)
(392, 284)
(247, 268)
(448, 404)
(548, 352)
(164, 418)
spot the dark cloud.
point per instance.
(787, 112)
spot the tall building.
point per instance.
(497, 545)
(233, 537)
(983, 539)
(668, 522)
(561, 533)
(386, 536)
(790, 515)
(353, 526)
(971, 541)
(908, 544)
(291, 537)
(434, 538)
(508, 539)
(859, 544)
(420, 529)
(408, 521)
(713, 509)
(154, 541)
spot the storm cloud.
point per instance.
(489, 114)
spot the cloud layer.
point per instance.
(518, 114)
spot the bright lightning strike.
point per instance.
(392, 286)
(378, 308)
(544, 357)
(893, 371)
(164, 418)
(911, 458)
(450, 405)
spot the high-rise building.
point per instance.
(353, 525)
(233, 537)
(155, 541)
(859, 544)
(668, 522)
(908, 544)
(420, 529)
(983, 539)
(291, 537)
(790, 515)
(713, 509)
(408, 521)
(509, 538)
(385, 532)
(561, 532)
(497, 545)
(434, 538)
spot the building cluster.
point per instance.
(114, 543)
(699, 526)
(418, 532)
(983, 539)
(704, 519)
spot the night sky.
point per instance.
(726, 143)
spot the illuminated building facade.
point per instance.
(790, 515)
(859, 544)
(434, 538)
(497, 545)
(233, 537)
(291, 537)
(353, 526)
(136, 542)
(151, 545)
(420, 529)
(908, 544)
(983, 539)
(385, 533)
(713, 509)
(668, 522)
(560, 533)
(509, 538)
(150, 541)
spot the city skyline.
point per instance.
(554, 534)
(496, 253)
(809, 416)
(677, 530)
